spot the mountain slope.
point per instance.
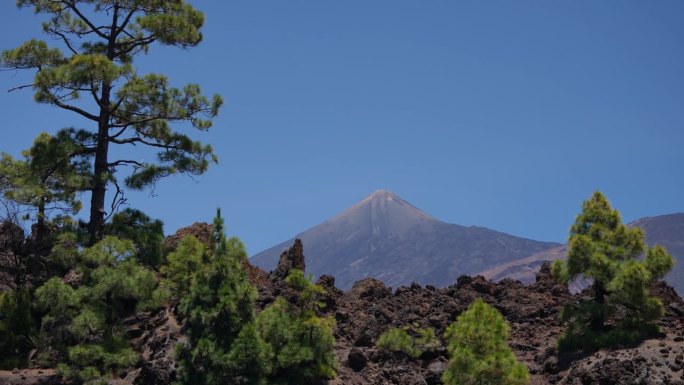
(385, 237)
(664, 230)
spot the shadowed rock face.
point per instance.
(387, 238)
(663, 230)
(292, 258)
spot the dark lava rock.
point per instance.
(357, 359)
(200, 230)
(289, 259)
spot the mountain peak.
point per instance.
(381, 193)
(386, 237)
(386, 207)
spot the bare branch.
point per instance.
(131, 45)
(20, 87)
(75, 109)
(117, 201)
(118, 134)
(72, 6)
(126, 21)
(93, 92)
(65, 39)
(127, 162)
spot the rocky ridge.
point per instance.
(370, 307)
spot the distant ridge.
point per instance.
(385, 237)
(665, 230)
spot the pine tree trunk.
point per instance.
(597, 322)
(101, 169)
(99, 187)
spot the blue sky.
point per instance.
(492, 113)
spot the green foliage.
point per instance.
(398, 340)
(409, 341)
(182, 264)
(85, 323)
(223, 346)
(602, 248)
(427, 340)
(146, 234)
(299, 342)
(98, 42)
(479, 351)
(53, 170)
(16, 328)
(64, 254)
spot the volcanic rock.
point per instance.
(292, 258)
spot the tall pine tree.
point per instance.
(92, 75)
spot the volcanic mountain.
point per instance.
(387, 238)
(664, 230)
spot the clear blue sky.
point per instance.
(504, 114)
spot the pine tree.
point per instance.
(603, 249)
(147, 234)
(92, 75)
(181, 264)
(88, 321)
(300, 343)
(223, 346)
(47, 180)
(479, 351)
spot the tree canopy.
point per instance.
(605, 250)
(92, 75)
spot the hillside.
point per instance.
(387, 238)
(370, 308)
(664, 230)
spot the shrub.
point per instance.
(412, 344)
(398, 340)
(299, 343)
(16, 328)
(479, 351)
(85, 324)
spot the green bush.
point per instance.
(398, 340)
(146, 234)
(299, 342)
(479, 351)
(16, 328)
(181, 264)
(413, 344)
(85, 324)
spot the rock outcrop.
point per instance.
(200, 230)
(293, 258)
